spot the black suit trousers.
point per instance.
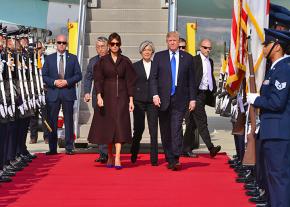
(3, 143)
(34, 125)
(200, 118)
(23, 125)
(171, 131)
(139, 125)
(189, 134)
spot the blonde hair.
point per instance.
(172, 33)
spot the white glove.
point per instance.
(10, 111)
(2, 112)
(21, 109)
(25, 106)
(251, 97)
(43, 100)
(37, 103)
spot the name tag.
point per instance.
(266, 82)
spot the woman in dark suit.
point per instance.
(114, 78)
(143, 104)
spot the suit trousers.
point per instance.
(3, 142)
(34, 125)
(53, 111)
(23, 125)
(171, 131)
(200, 118)
(13, 140)
(240, 146)
(277, 164)
(189, 134)
(142, 108)
(103, 148)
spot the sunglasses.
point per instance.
(181, 47)
(61, 43)
(115, 44)
(206, 48)
(39, 48)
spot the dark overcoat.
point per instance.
(115, 82)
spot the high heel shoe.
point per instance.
(109, 165)
(118, 167)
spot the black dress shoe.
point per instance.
(265, 204)
(250, 186)
(176, 166)
(246, 179)
(8, 173)
(69, 152)
(154, 163)
(258, 199)
(214, 150)
(189, 154)
(25, 158)
(133, 157)
(13, 168)
(253, 193)
(102, 159)
(51, 153)
(233, 161)
(5, 179)
(31, 156)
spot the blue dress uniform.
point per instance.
(274, 103)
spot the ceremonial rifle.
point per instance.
(2, 87)
(24, 69)
(31, 82)
(39, 65)
(10, 64)
(250, 152)
(39, 100)
(23, 107)
(239, 125)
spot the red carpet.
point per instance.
(77, 181)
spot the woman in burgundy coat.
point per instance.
(114, 78)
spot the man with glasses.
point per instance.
(102, 50)
(182, 44)
(61, 73)
(206, 87)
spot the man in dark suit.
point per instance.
(61, 73)
(143, 104)
(102, 49)
(173, 90)
(206, 87)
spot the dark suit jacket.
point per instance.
(161, 80)
(72, 76)
(141, 92)
(88, 79)
(197, 62)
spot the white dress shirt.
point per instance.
(205, 64)
(147, 66)
(64, 61)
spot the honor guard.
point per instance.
(274, 105)
(279, 18)
(3, 111)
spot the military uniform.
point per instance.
(274, 104)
